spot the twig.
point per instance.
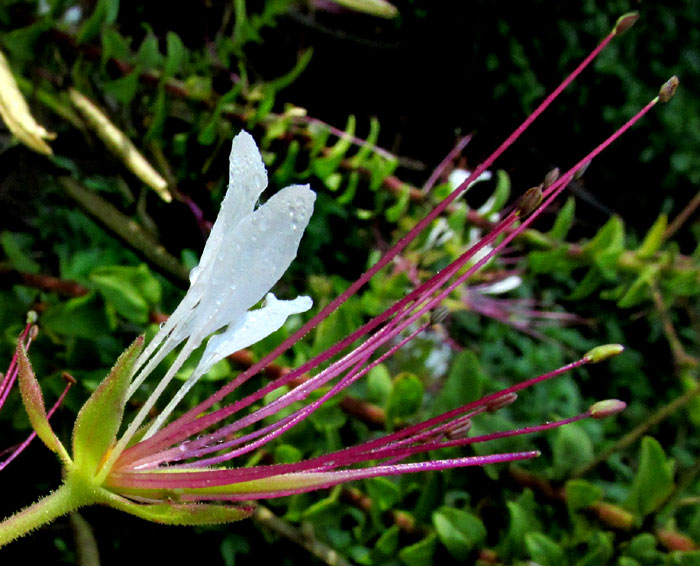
(85, 543)
(43, 282)
(125, 228)
(679, 220)
(404, 521)
(267, 519)
(680, 357)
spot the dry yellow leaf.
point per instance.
(120, 144)
(15, 113)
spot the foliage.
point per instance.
(92, 245)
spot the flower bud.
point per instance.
(603, 352)
(607, 408)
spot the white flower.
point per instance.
(502, 286)
(247, 252)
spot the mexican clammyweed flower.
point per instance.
(177, 471)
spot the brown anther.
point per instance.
(530, 200)
(68, 378)
(550, 178)
(582, 170)
(33, 332)
(438, 315)
(625, 22)
(500, 402)
(460, 430)
(668, 89)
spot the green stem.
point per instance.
(61, 502)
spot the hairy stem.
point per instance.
(64, 500)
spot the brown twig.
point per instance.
(267, 519)
(680, 357)
(404, 521)
(125, 228)
(610, 515)
(42, 282)
(682, 217)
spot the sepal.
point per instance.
(99, 420)
(33, 401)
(183, 514)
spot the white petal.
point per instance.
(264, 245)
(458, 176)
(251, 328)
(246, 254)
(255, 325)
(247, 180)
(503, 286)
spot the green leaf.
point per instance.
(114, 45)
(325, 166)
(607, 245)
(653, 481)
(233, 545)
(14, 246)
(124, 89)
(288, 78)
(366, 148)
(33, 400)
(82, 317)
(420, 553)
(207, 135)
(556, 260)
(98, 421)
(176, 54)
(564, 220)
(544, 550)
(464, 383)
(379, 385)
(132, 291)
(639, 289)
(654, 238)
(104, 14)
(287, 454)
(572, 449)
(581, 494)
(406, 397)
(643, 549)
(688, 558)
(148, 55)
(459, 531)
(160, 111)
(388, 542)
(398, 209)
(600, 550)
(383, 492)
(521, 521)
(592, 280)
